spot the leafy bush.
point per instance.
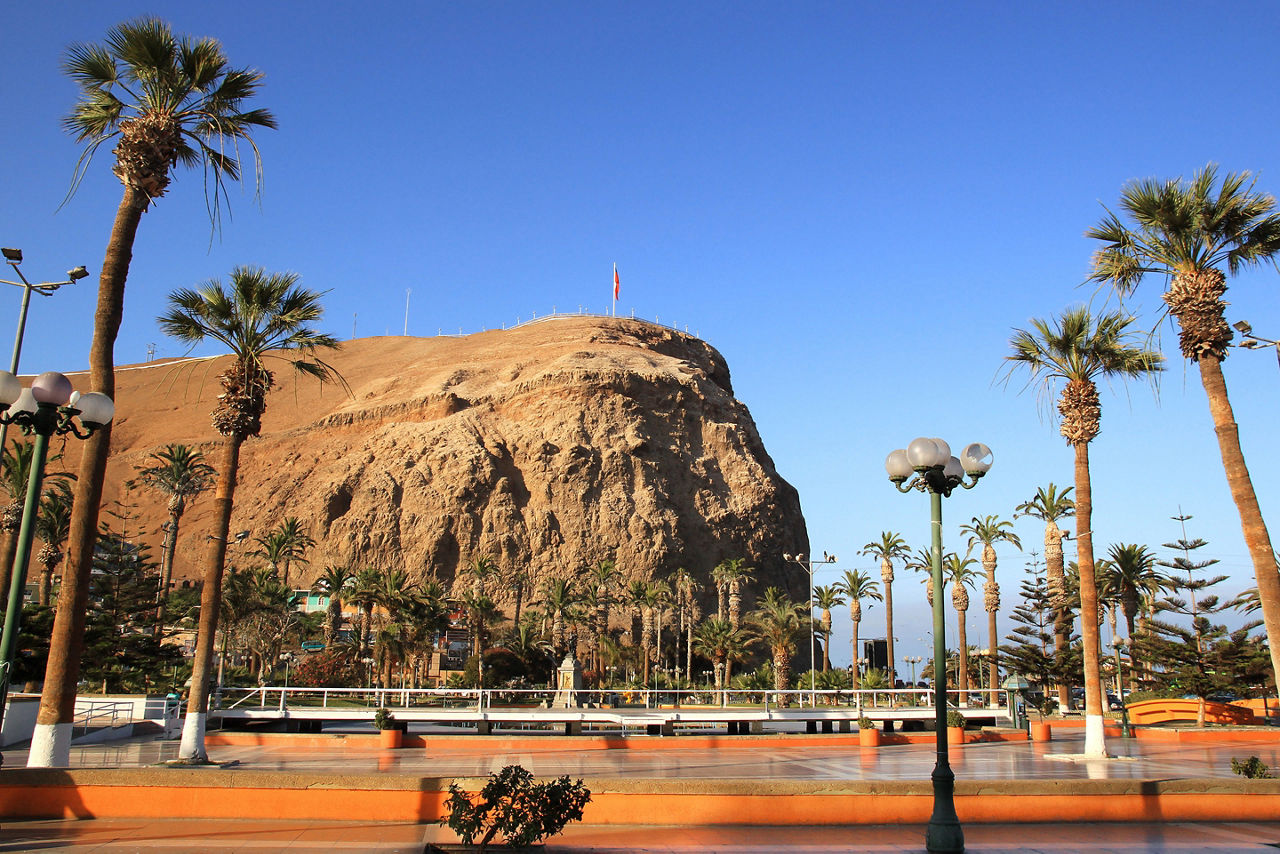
(331, 668)
(1253, 768)
(955, 719)
(523, 811)
(382, 719)
(865, 722)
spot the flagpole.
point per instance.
(613, 289)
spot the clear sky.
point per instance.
(856, 203)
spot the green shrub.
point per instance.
(955, 719)
(865, 722)
(511, 804)
(382, 719)
(1253, 768)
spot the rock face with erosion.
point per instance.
(548, 447)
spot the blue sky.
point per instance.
(855, 203)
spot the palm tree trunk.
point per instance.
(1256, 536)
(8, 550)
(1056, 572)
(1090, 636)
(166, 571)
(192, 748)
(51, 742)
(962, 640)
(886, 577)
(993, 670)
(856, 679)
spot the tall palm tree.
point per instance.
(293, 534)
(169, 100)
(362, 592)
(52, 526)
(1133, 579)
(1077, 350)
(959, 573)
(1185, 232)
(602, 582)
(990, 530)
(15, 471)
(180, 474)
(656, 596)
(731, 575)
(686, 588)
(778, 621)
(887, 549)
(560, 599)
(1050, 506)
(483, 573)
(334, 582)
(827, 597)
(259, 316)
(721, 643)
(857, 585)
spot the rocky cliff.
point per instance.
(549, 447)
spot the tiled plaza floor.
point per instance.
(809, 761)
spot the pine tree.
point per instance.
(1030, 648)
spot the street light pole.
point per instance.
(13, 257)
(49, 407)
(938, 473)
(1253, 342)
(808, 566)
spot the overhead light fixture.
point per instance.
(1243, 327)
(75, 274)
(13, 256)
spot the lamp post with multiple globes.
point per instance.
(810, 566)
(938, 473)
(50, 406)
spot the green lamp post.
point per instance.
(938, 473)
(49, 407)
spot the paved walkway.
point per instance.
(808, 760)
(225, 837)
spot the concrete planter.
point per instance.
(869, 737)
(955, 735)
(1041, 731)
(390, 739)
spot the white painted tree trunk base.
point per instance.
(192, 747)
(1095, 743)
(50, 746)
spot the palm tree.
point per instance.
(730, 575)
(560, 600)
(181, 474)
(481, 612)
(1049, 506)
(362, 592)
(778, 622)
(889, 548)
(1132, 579)
(1077, 350)
(15, 471)
(686, 589)
(722, 644)
(52, 526)
(258, 317)
(483, 573)
(654, 601)
(295, 539)
(990, 530)
(334, 582)
(1185, 232)
(170, 100)
(959, 573)
(827, 597)
(602, 583)
(857, 585)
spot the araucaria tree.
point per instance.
(1077, 350)
(1185, 233)
(259, 316)
(166, 100)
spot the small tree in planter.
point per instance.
(523, 811)
(955, 720)
(390, 730)
(868, 735)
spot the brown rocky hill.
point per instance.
(548, 447)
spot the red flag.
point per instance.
(617, 283)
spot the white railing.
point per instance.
(877, 699)
(102, 714)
